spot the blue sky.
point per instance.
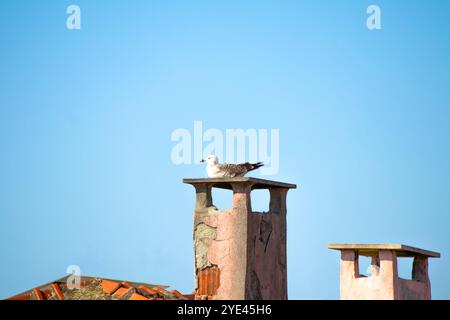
(86, 117)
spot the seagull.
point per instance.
(214, 169)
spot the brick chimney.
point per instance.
(240, 254)
(384, 282)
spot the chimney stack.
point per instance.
(384, 283)
(240, 254)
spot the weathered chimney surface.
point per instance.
(240, 254)
(384, 283)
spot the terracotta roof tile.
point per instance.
(136, 296)
(179, 295)
(190, 296)
(110, 286)
(21, 297)
(162, 291)
(57, 291)
(124, 293)
(37, 294)
(126, 284)
(208, 281)
(147, 290)
(102, 289)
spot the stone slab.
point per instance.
(226, 183)
(370, 249)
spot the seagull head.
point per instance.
(211, 160)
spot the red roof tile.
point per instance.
(121, 292)
(21, 297)
(178, 294)
(208, 281)
(147, 290)
(57, 291)
(38, 294)
(101, 289)
(136, 296)
(126, 284)
(110, 286)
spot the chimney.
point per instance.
(240, 254)
(384, 283)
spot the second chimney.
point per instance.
(240, 254)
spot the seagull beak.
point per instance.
(203, 160)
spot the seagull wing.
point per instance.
(229, 170)
(237, 170)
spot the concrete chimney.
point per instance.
(384, 282)
(240, 254)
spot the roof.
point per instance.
(226, 183)
(370, 249)
(94, 288)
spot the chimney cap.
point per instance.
(225, 183)
(371, 249)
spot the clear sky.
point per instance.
(86, 116)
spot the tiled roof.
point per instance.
(103, 289)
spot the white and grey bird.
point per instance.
(214, 169)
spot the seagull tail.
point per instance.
(255, 166)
